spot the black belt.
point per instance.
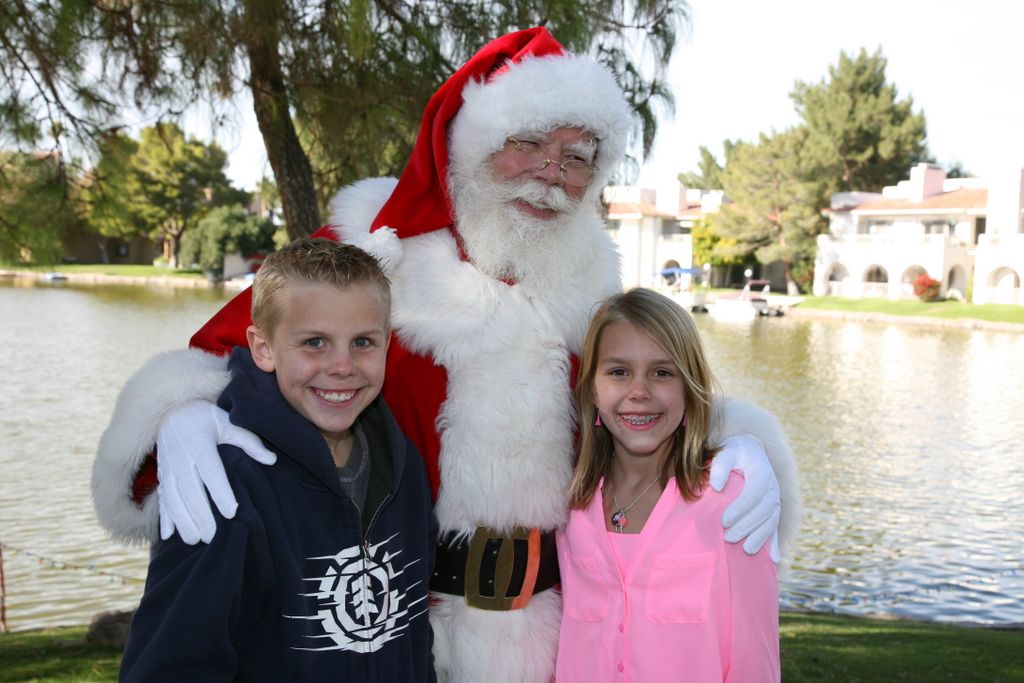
(496, 571)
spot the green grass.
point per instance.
(59, 654)
(132, 270)
(816, 648)
(822, 648)
(937, 309)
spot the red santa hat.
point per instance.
(523, 81)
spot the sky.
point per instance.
(962, 62)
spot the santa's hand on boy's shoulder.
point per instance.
(754, 514)
(188, 464)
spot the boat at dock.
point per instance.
(53, 277)
(750, 303)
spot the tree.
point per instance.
(103, 197)
(346, 79)
(709, 172)
(860, 135)
(224, 230)
(34, 207)
(174, 182)
(855, 134)
(158, 186)
(957, 170)
(267, 192)
(774, 210)
(706, 239)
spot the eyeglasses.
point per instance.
(530, 156)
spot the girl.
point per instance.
(652, 592)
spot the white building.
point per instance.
(878, 244)
(652, 230)
(999, 260)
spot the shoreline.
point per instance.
(883, 616)
(177, 281)
(920, 320)
(795, 310)
(812, 648)
(879, 616)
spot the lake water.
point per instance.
(908, 440)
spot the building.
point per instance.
(80, 246)
(653, 229)
(956, 231)
(999, 260)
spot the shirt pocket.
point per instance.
(679, 588)
(588, 599)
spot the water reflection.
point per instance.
(907, 440)
(65, 353)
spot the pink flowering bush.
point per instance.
(926, 288)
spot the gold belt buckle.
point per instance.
(503, 568)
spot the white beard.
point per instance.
(505, 243)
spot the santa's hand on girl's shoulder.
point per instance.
(189, 465)
(754, 514)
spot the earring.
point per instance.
(597, 422)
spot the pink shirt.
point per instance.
(680, 605)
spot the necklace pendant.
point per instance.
(619, 520)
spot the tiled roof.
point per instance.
(963, 198)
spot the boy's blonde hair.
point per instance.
(672, 328)
(315, 261)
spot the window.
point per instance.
(876, 274)
(671, 227)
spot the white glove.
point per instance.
(754, 514)
(188, 463)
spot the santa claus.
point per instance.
(493, 240)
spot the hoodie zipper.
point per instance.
(373, 518)
(366, 558)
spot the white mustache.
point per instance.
(538, 194)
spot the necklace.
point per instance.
(619, 519)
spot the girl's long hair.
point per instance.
(672, 328)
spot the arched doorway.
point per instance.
(836, 278)
(1005, 284)
(956, 281)
(670, 273)
(876, 281)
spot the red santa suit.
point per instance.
(479, 369)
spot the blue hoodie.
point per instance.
(297, 587)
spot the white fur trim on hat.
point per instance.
(539, 94)
(352, 211)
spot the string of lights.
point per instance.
(63, 565)
(47, 562)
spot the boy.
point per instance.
(323, 573)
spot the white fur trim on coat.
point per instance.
(507, 422)
(733, 417)
(539, 94)
(164, 383)
(518, 646)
